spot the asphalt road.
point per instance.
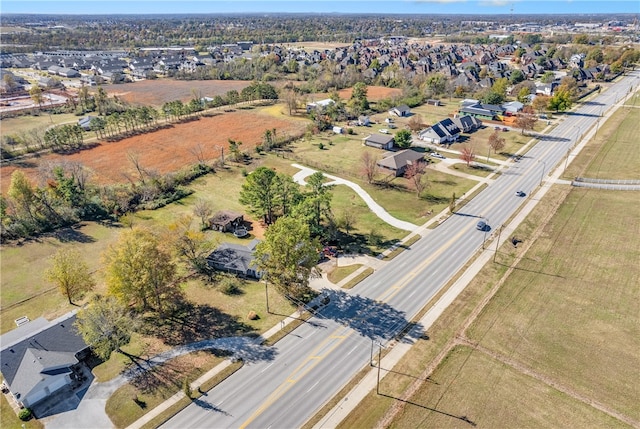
(313, 362)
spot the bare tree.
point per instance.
(416, 123)
(198, 152)
(203, 210)
(468, 154)
(347, 221)
(135, 160)
(369, 166)
(415, 172)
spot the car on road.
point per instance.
(520, 193)
(505, 129)
(481, 225)
(496, 128)
(437, 155)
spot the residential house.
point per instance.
(85, 123)
(319, 105)
(512, 107)
(402, 110)
(236, 259)
(41, 357)
(398, 162)
(379, 141)
(364, 121)
(445, 131)
(467, 123)
(226, 221)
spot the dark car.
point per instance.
(520, 194)
(505, 129)
(481, 225)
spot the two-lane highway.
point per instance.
(311, 364)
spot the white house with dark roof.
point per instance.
(445, 131)
(402, 110)
(40, 357)
(235, 259)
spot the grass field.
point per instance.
(20, 124)
(562, 333)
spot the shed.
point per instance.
(226, 221)
(379, 141)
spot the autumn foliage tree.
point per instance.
(415, 172)
(468, 154)
(140, 271)
(496, 142)
(525, 121)
(416, 123)
(70, 273)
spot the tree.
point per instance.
(516, 77)
(139, 271)
(315, 204)
(560, 101)
(358, 101)
(203, 210)
(525, 121)
(416, 123)
(369, 166)
(467, 154)
(403, 139)
(36, 95)
(415, 172)
(70, 273)
(496, 142)
(259, 193)
(548, 77)
(189, 245)
(287, 256)
(540, 103)
(106, 325)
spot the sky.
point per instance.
(476, 7)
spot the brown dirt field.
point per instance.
(166, 150)
(157, 92)
(374, 93)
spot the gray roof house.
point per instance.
(398, 162)
(467, 123)
(235, 258)
(379, 141)
(402, 110)
(445, 131)
(40, 357)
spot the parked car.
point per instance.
(496, 128)
(437, 155)
(505, 129)
(384, 131)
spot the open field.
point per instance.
(168, 149)
(21, 124)
(562, 331)
(159, 91)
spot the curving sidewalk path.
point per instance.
(305, 172)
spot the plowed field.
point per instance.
(168, 149)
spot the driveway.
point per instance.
(305, 172)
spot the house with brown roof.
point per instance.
(398, 162)
(226, 221)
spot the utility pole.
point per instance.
(379, 362)
(266, 294)
(497, 243)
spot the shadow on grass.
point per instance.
(193, 322)
(462, 418)
(73, 234)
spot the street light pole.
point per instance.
(544, 166)
(379, 362)
(497, 243)
(486, 226)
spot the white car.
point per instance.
(384, 131)
(437, 155)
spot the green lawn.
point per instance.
(20, 124)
